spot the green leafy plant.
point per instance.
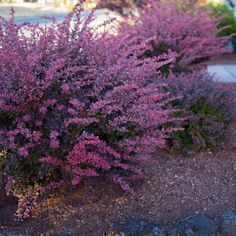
(207, 106)
(228, 22)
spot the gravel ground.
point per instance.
(173, 188)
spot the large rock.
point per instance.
(227, 225)
(137, 227)
(198, 225)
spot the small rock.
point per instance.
(227, 225)
(137, 227)
(198, 225)
(65, 234)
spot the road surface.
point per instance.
(34, 13)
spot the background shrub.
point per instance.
(74, 105)
(227, 25)
(122, 7)
(208, 107)
(190, 32)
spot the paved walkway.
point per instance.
(29, 10)
(225, 73)
(33, 13)
(101, 16)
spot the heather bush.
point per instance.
(190, 32)
(208, 107)
(75, 104)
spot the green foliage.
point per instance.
(197, 134)
(207, 107)
(228, 23)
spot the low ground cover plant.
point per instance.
(208, 107)
(74, 105)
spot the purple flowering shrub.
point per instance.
(190, 32)
(208, 107)
(75, 104)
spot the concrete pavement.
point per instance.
(29, 10)
(225, 73)
(101, 15)
(34, 13)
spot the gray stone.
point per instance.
(137, 227)
(6, 234)
(227, 224)
(198, 225)
(12, 234)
